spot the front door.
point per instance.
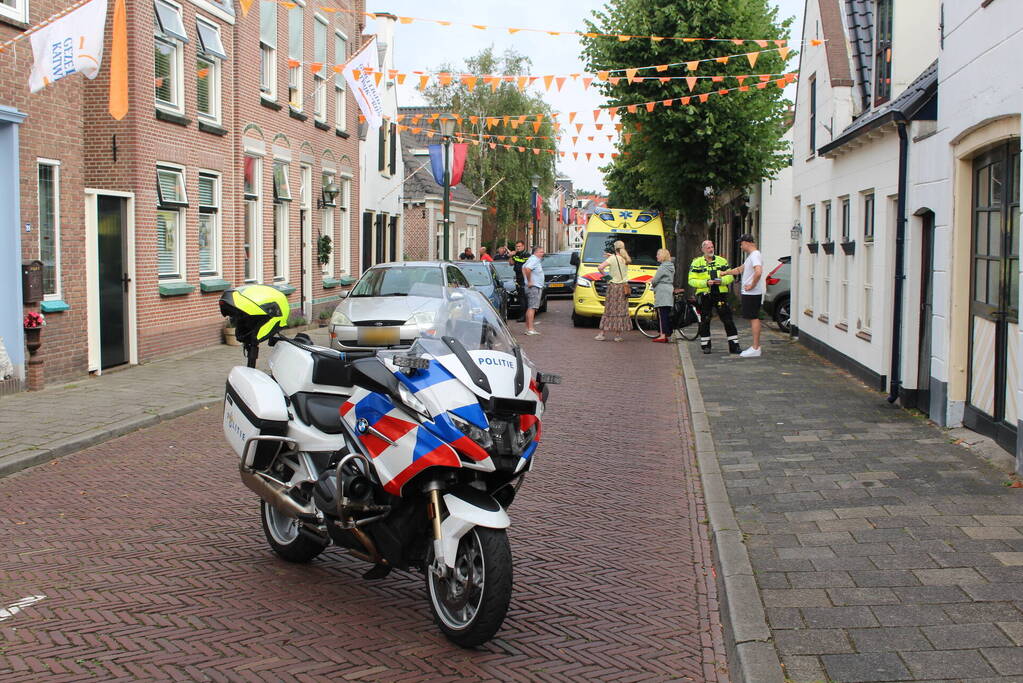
(994, 298)
(367, 241)
(392, 238)
(113, 281)
(923, 374)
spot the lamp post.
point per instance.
(536, 225)
(447, 129)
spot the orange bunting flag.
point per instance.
(493, 145)
(513, 31)
(117, 102)
(501, 138)
(432, 117)
(630, 75)
(514, 138)
(596, 114)
(515, 123)
(602, 75)
(692, 66)
(738, 41)
(417, 130)
(741, 79)
(588, 156)
(684, 101)
(761, 86)
(610, 138)
(691, 82)
(816, 42)
(522, 119)
(392, 74)
(294, 63)
(491, 121)
(536, 151)
(723, 91)
(781, 82)
(571, 116)
(752, 57)
(470, 82)
(791, 78)
(780, 43)
(402, 128)
(473, 119)
(631, 109)
(722, 60)
(401, 79)
(600, 154)
(246, 5)
(744, 88)
(784, 52)
(536, 126)
(599, 126)
(661, 67)
(589, 138)
(765, 78)
(586, 83)
(522, 149)
(444, 78)
(667, 103)
(618, 126)
(665, 79)
(547, 80)
(423, 80)
(628, 138)
(578, 128)
(614, 155)
(560, 81)
(533, 79)
(624, 39)
(761, 43)
(429, 133)
(704, 97)
(505, 120)
(405, 20)
(575, 140)
(480, 27)
(650, 106)
(522, 83)
(612, 112)
(316, 67)
(338, 68)
(575, 155)
(717, 79)
(378, 77)
(657, 39)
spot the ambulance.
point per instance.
(643, 234)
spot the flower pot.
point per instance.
(33, 339)
(812, 247)
(229, 337)
(829, 247)
(849, 247)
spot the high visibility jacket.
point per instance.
(700, 271)
(518, 260)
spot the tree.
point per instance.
(678, 158)
(485, 166)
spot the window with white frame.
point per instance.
(866, 310)
(15, 9)
(282, 197)
(253, 217)
(169, 56)
(296, 15)
(340, 94)
(846, 262)
(344, 243)
(268, 48)
(48, 189)
(171, 202)
(327, 222)
(208, 70)
(320, 76)
(209, 224)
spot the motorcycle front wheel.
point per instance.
(470, 603)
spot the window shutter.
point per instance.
(295, 17)
(320, 43)
(382, 148)
(268, 23)
(394, 148)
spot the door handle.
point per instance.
(125, 280)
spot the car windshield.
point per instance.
(642, 248)
(477, 273)
(401, 281)
(504, 271)
(468, 317)
(557, 260)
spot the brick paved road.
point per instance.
(883, 552)
(149, 552)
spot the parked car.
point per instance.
(776, 298)
(390, 303)
(483, 277)
(506, 272)
(559, 274)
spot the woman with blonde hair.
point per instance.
(616, 301)
(663, 284)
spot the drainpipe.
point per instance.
(900, 258)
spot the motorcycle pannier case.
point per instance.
(254, 406)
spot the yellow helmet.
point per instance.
(257, 311)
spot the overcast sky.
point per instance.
(425, 46)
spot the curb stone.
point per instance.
(751, 653)
(26, 459)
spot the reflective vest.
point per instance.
(700, 272)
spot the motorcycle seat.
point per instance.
(322, 411)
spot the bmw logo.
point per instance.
(361, 425)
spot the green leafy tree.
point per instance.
(511, 170)
(678, 158)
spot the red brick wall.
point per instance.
(417, 232)
(52, 130)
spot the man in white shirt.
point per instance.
(752, 271)
(532, 273)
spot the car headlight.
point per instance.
(340, 318)
(422, 319)
(480, 436)
(412, 401)
(583, 282)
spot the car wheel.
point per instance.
(543, 306)
(781, 315)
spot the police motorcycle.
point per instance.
(406, 458)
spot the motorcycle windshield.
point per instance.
(467, 317)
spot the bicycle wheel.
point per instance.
(690, 331)
(646, 320)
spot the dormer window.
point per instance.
(883, 52)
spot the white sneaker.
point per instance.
(532, 332)
(750, 352)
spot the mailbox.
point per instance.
(32, 281)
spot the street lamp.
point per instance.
(447, 129)
(536, 226)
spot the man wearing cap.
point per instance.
(707, 277)
(752, 271)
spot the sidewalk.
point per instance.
(42, 425)
(881, 551)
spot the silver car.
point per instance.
(776, 300)
(391, 303)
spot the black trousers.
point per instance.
(520, 288)
(664, 320)
(715, 301)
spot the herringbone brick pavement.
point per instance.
(154, 567)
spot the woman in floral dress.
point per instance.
(616, 301)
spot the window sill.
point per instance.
(214, 284)
(822, 318)
(171, 117)
(330, 282)
(296, 114)
(864, 335)
(346, 280)
(284, 287)
(176, 288)
(212, 128)
(9, 21)
(322, 125)
(269, 103)
(341, 134)
(53, 306)
(842, 326)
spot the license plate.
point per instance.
(556, 284)
(378, 336)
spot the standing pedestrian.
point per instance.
(616, 301)
(663, 284)
(518, 259)
(502, 253)
(707, 276)
(484, 255)
(467, 255)
(752, 271)
(532, 271)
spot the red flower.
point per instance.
(34, 320)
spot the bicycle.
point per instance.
(685, 318)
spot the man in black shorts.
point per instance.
(752, 271)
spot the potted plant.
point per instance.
(812, 246)
(33, 324)
(849, 247)
(324, 317)
(323, 248)
(829, 247)
(296, 321)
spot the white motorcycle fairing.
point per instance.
(463, 515)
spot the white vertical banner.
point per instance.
(364, 88)
(72, 44)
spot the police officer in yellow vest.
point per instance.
(712, 294)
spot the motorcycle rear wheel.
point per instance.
(470, 603)
(284, 538)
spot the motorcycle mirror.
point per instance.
(411, 362)
(548, 378)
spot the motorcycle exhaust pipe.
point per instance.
(274, 493)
